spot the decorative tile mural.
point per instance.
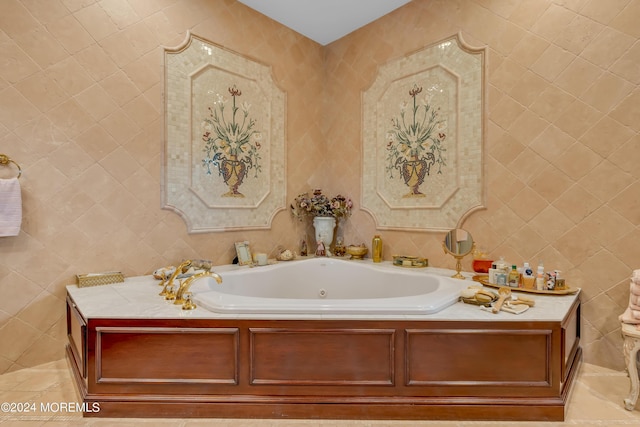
(224, 157)
(423, 125)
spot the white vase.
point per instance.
(324, 226)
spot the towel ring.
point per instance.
(5, 160)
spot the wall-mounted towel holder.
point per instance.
(5, 160)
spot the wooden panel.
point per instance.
(570, 340)
(355, 369)
(162, 355)
(77, 336)
(479, 357)
(322, 356)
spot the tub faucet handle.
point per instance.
(179, 270)
(188, 302)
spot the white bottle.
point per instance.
(528, 279)
(526, 270)
(492, 273)
(540, 285)
(502, 272)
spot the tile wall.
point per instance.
(81, 106)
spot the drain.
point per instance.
(322, 293)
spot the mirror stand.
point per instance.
(458, 258)
(458, 243)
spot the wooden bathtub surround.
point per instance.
(340, 369)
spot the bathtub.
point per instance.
(327, 286)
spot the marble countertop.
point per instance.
(137, 298)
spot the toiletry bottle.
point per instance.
(526, 270)
(559, 281)
(514, 277)
(551, 281)
(528, 279)
(492, 273)
(540, 285)
(501, 274)
(376, 248)
(501, 278)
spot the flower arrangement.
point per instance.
(415, 142)
(320, 205)
(231, 143)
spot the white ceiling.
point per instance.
(324, 21)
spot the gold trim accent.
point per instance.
(95, 279)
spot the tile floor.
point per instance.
(596, 400)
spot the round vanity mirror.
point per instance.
(458, 243)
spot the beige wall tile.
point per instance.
(15, 19)
(625, 20)
(528, 88)
(551, 103)
(527, 12)
(70, 117)
(627, 112)
(627, 203)
(70, 76)
(607, 48)
(577, 118)
(578, 34)
(577, 203)
(46, 12)
(16, 110)
(554, 18)
(605, 180)
(120, 88)
(41, 47)
(552, 62)
(120, 12)
(70, 34)
(42, 91)
(578, 76)
(629, 249)
(15, 65)
(606, 92)
(627, 66)
(577, 161)
(603, 12)
(95, 20)
(529, 49)
(628, 156)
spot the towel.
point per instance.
(10, 207)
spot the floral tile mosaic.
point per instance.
(423, 138)
(224, 162)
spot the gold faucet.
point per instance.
(186, 284)
(169, 283)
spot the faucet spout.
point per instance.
(186, 284)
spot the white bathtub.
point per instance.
(326, 286)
